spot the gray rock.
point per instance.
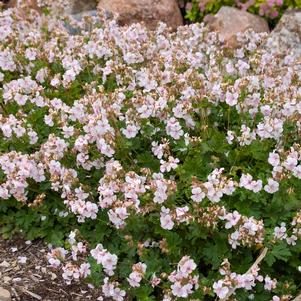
(4, 264)
(78, 17)
(230, 21)
(79, 6)
(148, 11)
(285, 39)
(76, 6)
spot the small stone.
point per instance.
(4, 295)
(6, 279)
(229, 21)
(44, 270)
(4, 264)
(53, 276)
(14, 263)
(17, 279)
(35, 279)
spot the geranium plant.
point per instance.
(160, 165)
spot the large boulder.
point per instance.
(76, 6)
(79, 6)
(230, 21)
(79, 17)
(286, 37)
(28, 4)
(148, 11)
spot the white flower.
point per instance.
(297, 171)
(230, 137)
(280, 232)
(274, 159)
(130, 131)
(232, 219)
(269, 284)
(231, 98)
(220, 290)
(85, 270)
(187, 265)
(22, 259)
(30, 54)
(272, 186)
(165, 219)
(174, 129)
(197, 194)
(290, 163)
(180, 290)
(134, 279)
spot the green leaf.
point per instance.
(280, 251)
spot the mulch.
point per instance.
(35, 280)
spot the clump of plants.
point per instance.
(159, 165)
(271, 10)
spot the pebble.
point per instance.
(6, 279)
(4, 264)
(17, 279)
(44, 270)
(53, 276)
(4, 295)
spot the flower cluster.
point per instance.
(232, 281)
(138, 271)
(105, 258)
(183, 281)
(73, 267)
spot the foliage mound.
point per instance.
(160, 166)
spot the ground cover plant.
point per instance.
(271, 10)
(159, 165)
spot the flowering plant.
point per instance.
(160, 165)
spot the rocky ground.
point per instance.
(25, 275)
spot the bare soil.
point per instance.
(35, 280)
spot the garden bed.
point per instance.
(159, 165)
